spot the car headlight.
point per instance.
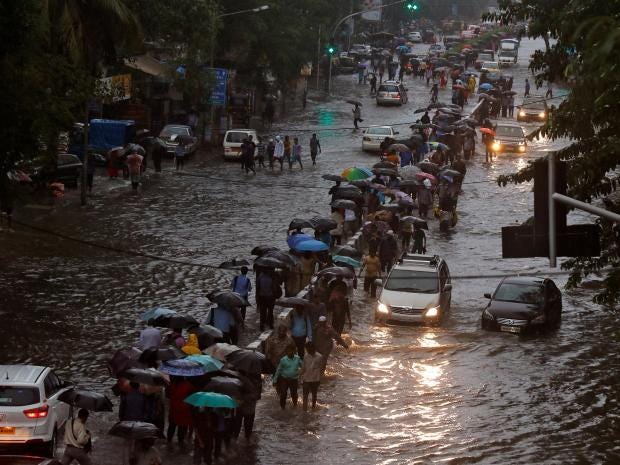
(521, 147)
(432, 312)
(487, 315)
(521, 113)
(496, 146)
(541, 114)
(382, 308)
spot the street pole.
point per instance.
(318, 60)
(84, 174)
(329, 79)
(552, 231)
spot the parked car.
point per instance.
(392, 93)
(374, 135)
(483, 57)
(509, 137)
(488, 66)
(415, 36)
(233, 140)
(523, 304)
(66, 169)
(533, 108)
(436, 49)
(30, 412)
(417, 290)
(171, 134)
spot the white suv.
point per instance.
(417, 290)
(30, 412)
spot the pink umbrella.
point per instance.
(428, 176)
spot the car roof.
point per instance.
(508, 124)
(241, 130)
(176, 126)
(419, 263)
(26, 374)
(383, 127)
(524, 280)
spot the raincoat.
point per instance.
(191, 346)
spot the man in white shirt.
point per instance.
(149, 337)
(77, 440)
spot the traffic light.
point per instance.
(331, 49)
(412, 6)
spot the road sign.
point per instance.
(220, 85)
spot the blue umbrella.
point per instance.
(155, 313)
(210, 363)
(486, 86)
(295, 239)
(339, 259)
(183, 367)
(311, 245)
(210, 399)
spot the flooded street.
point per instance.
(400, 395)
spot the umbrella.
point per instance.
(348, 261)
(221, 350)
(398, 148)
(269, 262)
(344, 203)
(228, 299)
(421, 110)
(486, 86)
(175, 321)
(450, 172)
(299, 223)
(261, 250)
(406, 202)
(209, 363)
(383, 215)
(353, 173)
(234, 264)
(249, 361)
(347, 251)
(417, 222)
(333, 177)
(438, 145)
(131, 148)
(135, 430)
(144, 376)
(428, 167)
(124, 359)
(336, 271)
(361, 183)
(354, 102)
(155, 354)
(311, 246)
(488, 131)
(207, 335)
(323, 224)
(385, 171)
(295, 239)
(211, 400)
(392, 207)
(408, 172)
(88, 400)
(294, 302)
(287, 260)
(408, 184)
(230, 386)
(428, 176)
(385, 164)
(424, 126)
(182, 367)
(348, 192)
(509, 92)
(156, 312)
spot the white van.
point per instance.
(233, 140)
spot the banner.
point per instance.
(371, 14)
(115, 88)
(220, 84)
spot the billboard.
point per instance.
(372, 10)
(220, 83)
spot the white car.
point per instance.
(30, 412)
(233, 140)
(417, 290)
(489, 66)
(415, 36)
(374, 135)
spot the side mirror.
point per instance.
(487, 295)
(378, 283)
(447, 287)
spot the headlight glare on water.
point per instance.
(382, 308)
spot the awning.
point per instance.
(147, 64)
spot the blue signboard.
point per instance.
(220, 84)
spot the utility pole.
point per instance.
(84, 174)
(318, 60)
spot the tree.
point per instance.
(586, 56)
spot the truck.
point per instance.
(508, 52)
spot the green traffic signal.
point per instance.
(331, 49)
(412, 6)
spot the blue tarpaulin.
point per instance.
(105, 134)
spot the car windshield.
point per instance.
(521, 293)
(18, 396)
(485, 57)
(172, 130)
(493, 76)
(388, 89)
(508, 131)
(534, 104)
(490, 64)
(412, 281)
(236, 137)
(379, 131)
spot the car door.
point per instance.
(446, 287)
(53, 388)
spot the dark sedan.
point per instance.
(523, 304)
(67, 170)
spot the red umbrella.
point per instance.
(428, 176)
(488, 131)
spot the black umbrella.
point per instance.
(124, 359)
(344, 203)
(135, 430)
(207, 335)
(361, 183)
(428, 167)
(131, 148)
(435, 105)
(354, 102)
(288, 260)
(409, 184)
(384, 164)
(294, 302)
(336, 271)
(88, 400)
(144, 376)
(234, 264)
(228, 299)
(248, 360)
(424, 126)
(417, 222)
(269, 262)
(347, 251)
(450, 172)
(232, 387)
(175, 321)
(385, 171)
(348, 192)
(323, 224)
(299, 223)
(421, 110)
(159, 354)
(333, 177)
(390, 207)
(261, 250)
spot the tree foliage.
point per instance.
(585, 56)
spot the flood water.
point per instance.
(401, 395)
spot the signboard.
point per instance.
(115, 88)
(306, 70)
(219, 78)
(372, 10)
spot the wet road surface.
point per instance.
(400, 395)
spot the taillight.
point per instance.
(227, 149)
(396, 95)
(39, 412)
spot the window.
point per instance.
(175, 130)
(379, 131)
(18, 396)
(51, 384)
(520, 293)
(388, 89)
(509, 131)
(412, 281)
(236, 137)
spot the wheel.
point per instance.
(49, 448)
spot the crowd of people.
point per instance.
(276, 152)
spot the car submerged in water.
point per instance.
(522, 305)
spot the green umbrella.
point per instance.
(210, 399)
(210, 363)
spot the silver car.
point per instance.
(392, 93)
